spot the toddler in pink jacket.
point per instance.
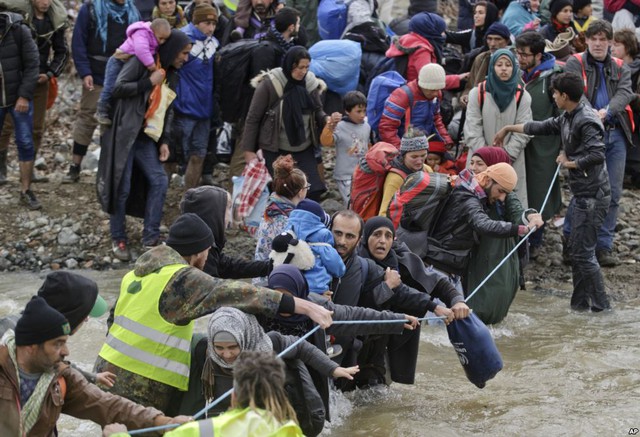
(143, 39)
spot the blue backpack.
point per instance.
(332, 18)
(381, 88)
(337, 62)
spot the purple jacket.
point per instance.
(141, 42)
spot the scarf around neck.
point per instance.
(502, 92)
(105, 9)
(30, 411)
(296, 100)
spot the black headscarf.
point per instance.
(296, 99)
(391, 260)
(172, 47)
(490, 18)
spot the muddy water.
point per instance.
(565, 374)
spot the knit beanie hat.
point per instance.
(437, 147)
(413, 144)
(314, 208)
(39, 323)
(557, 5)
(579, 4)
(432, 77)
(75, 296)
(499, 29)
(204, 12)
(502, 173)
(189, 235)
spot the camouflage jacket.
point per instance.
(190, 294)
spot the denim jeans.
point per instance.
(587, 215)
(616, 156)
(110, 76)
(193, 134)
(23, 126)
(144, 153)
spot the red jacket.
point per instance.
(425, 115)
(615, 5)
(422, 56)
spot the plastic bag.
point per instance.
(159, 101)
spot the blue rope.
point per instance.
(531, 231)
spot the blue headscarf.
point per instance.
(502, 92)
(109, 8)
(431, 27)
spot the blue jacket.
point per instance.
(195, 87)
(515, 17)
(309, 228)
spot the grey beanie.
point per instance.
(414, 144)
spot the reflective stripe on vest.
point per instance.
(140, 340)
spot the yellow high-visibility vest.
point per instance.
(140, 340)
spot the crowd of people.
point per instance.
(445, 154)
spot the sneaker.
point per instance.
(334, 350)
(73, 175)
(103, 119)
(149, 246)
(606, 258)
(29, 199)
(120, 250)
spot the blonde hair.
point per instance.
(259, 382)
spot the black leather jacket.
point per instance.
(582, 136)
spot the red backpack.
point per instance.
(368, 178)
(416, 204)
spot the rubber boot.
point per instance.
(3, 166)
(193, 173)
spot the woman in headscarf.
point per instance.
(170, 11)
(213, 206)
(491, 303)
(495, 103)
(423, 45)
(231, 332)
(286, 117)
(413, 296)
(484, 15)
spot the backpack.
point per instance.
(371, 37)
(232, 70)
(416, 204)
(337, 62)
(396, 64)
(332, 18)
(368, 179)
(482, 92)
(380, 90)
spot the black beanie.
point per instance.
(189, 235)
(557, 5)
(39, 323)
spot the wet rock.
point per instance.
(90, 161)
(4, 264)
(66, 237)
(71, 263)
(55, 266)
(330, 206)
(59, 158)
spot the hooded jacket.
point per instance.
(309, 228)
(19, 60)
(210, 204)
(141, 42)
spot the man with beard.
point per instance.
(37, 385)
(538, 70)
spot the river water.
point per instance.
(564, 374)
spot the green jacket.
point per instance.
(491, 303)
(541, 151)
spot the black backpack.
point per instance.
(232, 75)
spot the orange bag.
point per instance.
(53, 92)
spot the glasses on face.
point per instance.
(524, 55)
(307, 187)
